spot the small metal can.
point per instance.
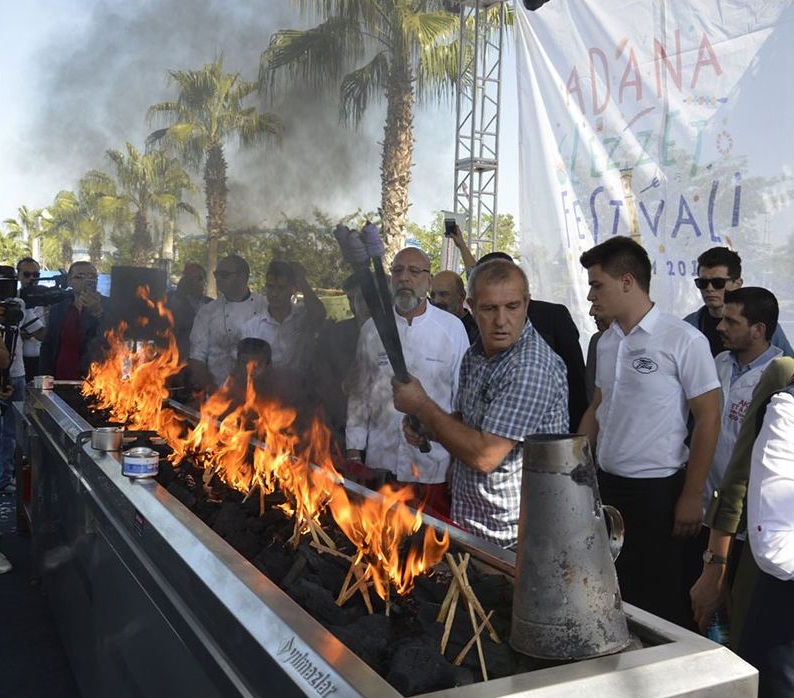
(44, 382)
(140, 462)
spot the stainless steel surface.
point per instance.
(152, 602)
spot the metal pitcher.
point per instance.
(566, 599)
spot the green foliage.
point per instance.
(432, 239)
(12, 247)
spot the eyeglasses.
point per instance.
(718, 283)
(31, 274)
(93, 277)
(222, 274)
(413, 271)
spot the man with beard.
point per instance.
(448, 293)
(749, 319)
(433, 343)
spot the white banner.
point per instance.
(666, 120)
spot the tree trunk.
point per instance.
(141, 240)
(167, 247)
(398, 148)
(67, 252)
(215, 191)
(95, 248)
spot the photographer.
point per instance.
(74, 332)
(13, 315)
(28, 273)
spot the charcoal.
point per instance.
(229, 520)
(183, 494)
(246, 543)
(418, 667)
(275, 562)
(321, 603)
(430, 589)
(369, 637)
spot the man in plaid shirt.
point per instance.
(511, 384)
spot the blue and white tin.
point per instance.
(140, 462)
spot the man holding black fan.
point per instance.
(433, 343)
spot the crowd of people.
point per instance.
(691, 419)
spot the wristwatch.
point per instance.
(711, 558)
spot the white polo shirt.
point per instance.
(218, 328)
(289, 340)
(770, 490)
(646, 379)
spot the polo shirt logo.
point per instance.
(645, 365)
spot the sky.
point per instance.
(77, 76)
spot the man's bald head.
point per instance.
(448, 292)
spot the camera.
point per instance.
(449, 227)
(11, 313)
(38, 294)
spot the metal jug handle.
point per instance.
(615, 529)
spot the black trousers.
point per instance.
(650, 565)
(767, 640)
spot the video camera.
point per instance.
(49, 291)
(11, 312)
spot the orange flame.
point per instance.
(253, 442)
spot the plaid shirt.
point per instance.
(522, 390)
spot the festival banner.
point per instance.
(667, 121)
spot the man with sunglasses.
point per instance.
(720, 270)
(28, 273)
(74, 328)
(217, 327)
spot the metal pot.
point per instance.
(107, 438)
(566, 598)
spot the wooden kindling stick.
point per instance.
(469, 595)
(475, 638)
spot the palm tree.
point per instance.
(210, 110)
(13, 246)
(144, 183)
(405, 50)
(63, 226)
(26, 227)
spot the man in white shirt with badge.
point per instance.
(652, 370)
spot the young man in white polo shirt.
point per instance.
(652, 370)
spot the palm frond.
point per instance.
(315, 57)
(360, 86)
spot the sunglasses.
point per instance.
(718, 283)
(31, 274)
(221, 274)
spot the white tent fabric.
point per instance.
(666, 120)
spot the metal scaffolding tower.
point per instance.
(477, 135)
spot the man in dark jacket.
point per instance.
(74, 329)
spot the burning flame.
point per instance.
(380, 527)
(253, 443)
